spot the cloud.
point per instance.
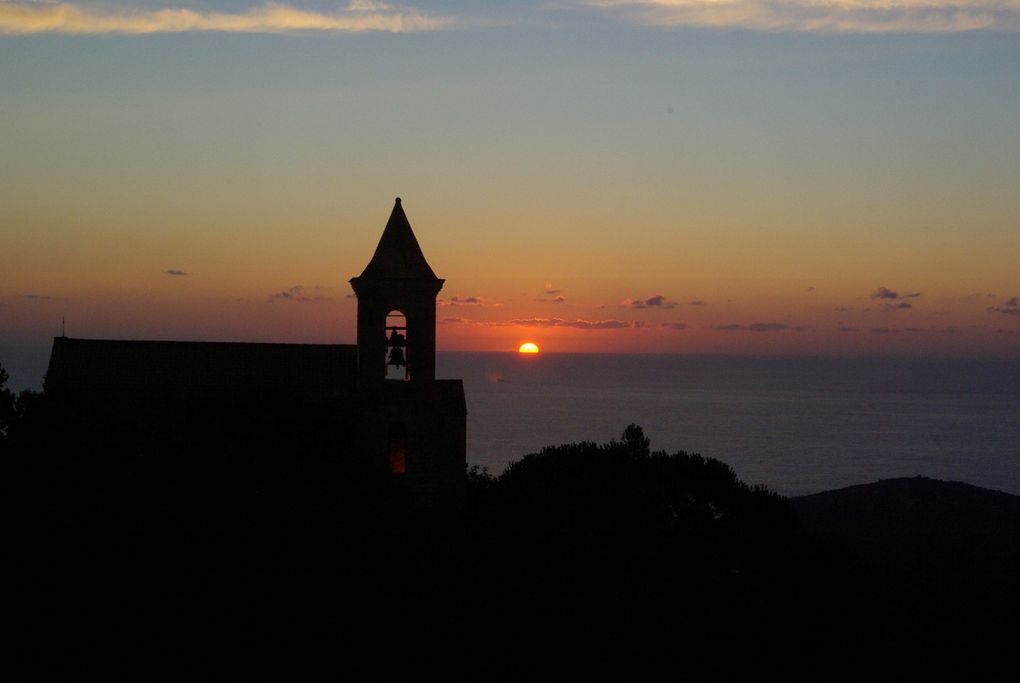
(36, 297)
(21, 18)
(811, 289)
(759, 327)
(577, 324)
(884, 293)
(893, 330)
(1011, 307)
(821, 16)
(296, 294)
(903, 305)
(549, 289)
(174, 271)
(848, 329)
(555, 300)
(675, 326)
(551, 322)
(288, 294)
(461, 301)
(697, 302)
(657, 301)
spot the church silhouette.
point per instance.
(376, 402)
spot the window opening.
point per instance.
(396, 346)
(397, 456)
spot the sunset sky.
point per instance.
(671, 176)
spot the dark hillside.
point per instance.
(947, 553)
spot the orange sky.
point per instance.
(659, 291)
(580, 178)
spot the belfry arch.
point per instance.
(396, 347)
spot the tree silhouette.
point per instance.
(8, 405)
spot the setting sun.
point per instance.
(528, 347)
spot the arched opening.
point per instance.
(396, 346)
(397, 449)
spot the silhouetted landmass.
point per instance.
(947, 554)
(583, 554)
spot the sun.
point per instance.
(528, 347)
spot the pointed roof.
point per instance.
(398, 255)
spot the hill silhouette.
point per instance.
(947, 555)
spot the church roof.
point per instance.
(218, 368)
(398, 255)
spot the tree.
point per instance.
(635, 440)
(6, 404)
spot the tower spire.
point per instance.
(398, 255)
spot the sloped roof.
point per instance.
(220, 368)
(398, 255)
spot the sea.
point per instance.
(795, 425)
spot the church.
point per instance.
(377, 401)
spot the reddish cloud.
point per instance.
(577, 324)
(759, 327)
(893, 330)
(460, 301)
(1012, 307)
(296, 293)
(550, 322)
(657, 301)
(885, 293)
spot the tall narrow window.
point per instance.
(396, 346)
(397, 448)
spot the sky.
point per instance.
(820, 177)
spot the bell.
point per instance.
(396, 357)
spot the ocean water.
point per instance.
(796, 425)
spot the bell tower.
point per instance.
(397, 309)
